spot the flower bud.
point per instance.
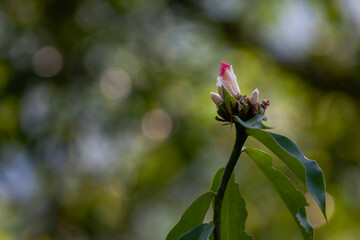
(216, 98)
(254, 98)
(265, 103)
(227, 78)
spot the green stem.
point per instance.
(219, 196)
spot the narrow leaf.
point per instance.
(255, 122)
(307, 170)
(222, 111)
(216, 183)
(192, 217)
(233, 214)
(201, 232)
(216, 180)
(293, 199)
(229, 99)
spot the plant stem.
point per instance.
(241, 137)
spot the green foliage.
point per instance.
(233, 211)
(192, 217)
(222, 111)
(201, 232)
(293, 199)
(216, 180)
(233, 214)
(253, 123)
(230, 101)
(305, 169)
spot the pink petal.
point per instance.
(223, 67)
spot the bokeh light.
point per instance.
(157, 124)
(115, 83)
(47, 61)
(315, 216)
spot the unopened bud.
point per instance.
(254, 98)
(227, 78)
(264, 104)
(216, 98)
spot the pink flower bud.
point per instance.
(265, 104)
(254, 98)
(216, 98)
(227, 79)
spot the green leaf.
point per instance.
(229, 99)
(216, 180)
(307, 170)
(192, 217)
(211, 237)
(255, 122)
(222, 111)
(233, 214)
(201, 232)
(293, 199)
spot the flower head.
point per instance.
(235, 105)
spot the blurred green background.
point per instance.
(107, 129)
